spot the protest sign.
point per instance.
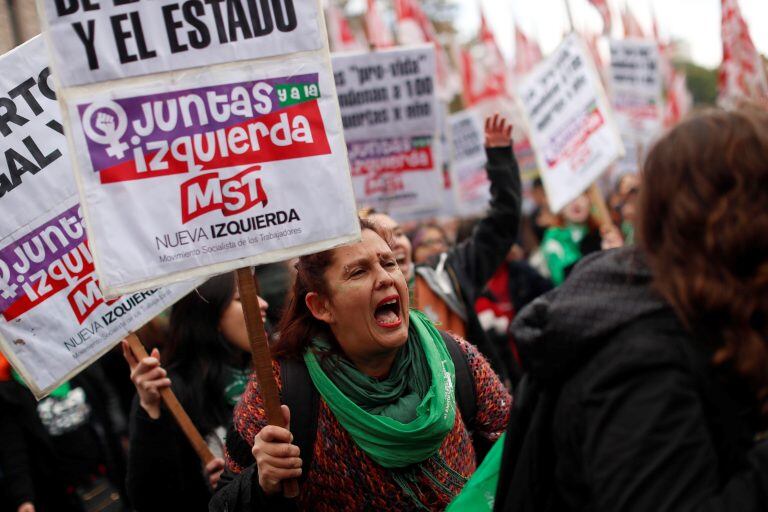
(448, 207)
(636, 96)
(469, 159)
(94, 41)
(570, 124)
(390, 116)
(201, 171)
(55, 321)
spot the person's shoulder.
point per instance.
(652, 343)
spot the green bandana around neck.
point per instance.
(402, 419)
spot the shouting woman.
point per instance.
(388, 434)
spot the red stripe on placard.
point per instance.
(415, 160)
(293, 132)
(47, 286)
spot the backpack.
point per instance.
(303, 399)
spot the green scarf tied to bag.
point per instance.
(402, 419)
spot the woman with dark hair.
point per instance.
(647, 385)
(208, 362)
(428, 240)
(387, 432)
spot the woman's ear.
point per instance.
(318, 306)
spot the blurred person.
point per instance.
(388, 431)
(428, 240)
(515, 284)
(624, 204)
(575, 235)
(447, 284)
(62, 453)
(541, 218)
(648, 369)
(207, 357)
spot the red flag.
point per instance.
(632, 27)
(679, 100)
(414, 27)
(742, 73)
(340, 34)
(378, 33)
(591, 39)
(527, 53)
(483, 68)
(605, 13)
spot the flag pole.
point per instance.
(570, 14)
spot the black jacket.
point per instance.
(164, 471)
(38, 467)
(621, 409)
(473, 262)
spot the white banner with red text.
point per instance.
(55, 320)
(569, 120)
(203, 170)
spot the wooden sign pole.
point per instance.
(262, 359)
(173, 405)
(598, 202)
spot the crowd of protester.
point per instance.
(625, 357)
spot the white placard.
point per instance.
(387, 93)
(196, 172)
(55, 321)
(390, 114)
(636, 96)
(569, 120)
(469, 160)
(97, 40)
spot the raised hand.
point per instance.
(498, 132)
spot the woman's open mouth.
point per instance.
(388, 313)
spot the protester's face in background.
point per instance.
(232, 322)
(431, 242)
(401, 245)
(367, 306)
(629, 188)
(577, 211)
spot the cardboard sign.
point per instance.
(55, 320)
(201, 171)
(469, 159)
(636, 97)
(93, 41)
(390, 114)
(570, 123)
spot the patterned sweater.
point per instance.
(343, 477)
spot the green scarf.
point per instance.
(58, 393)
(479, 494)
(560, 247)
(402, 419)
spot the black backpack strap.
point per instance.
(466, 397)
(303, 399)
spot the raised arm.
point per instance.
(478, 257)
